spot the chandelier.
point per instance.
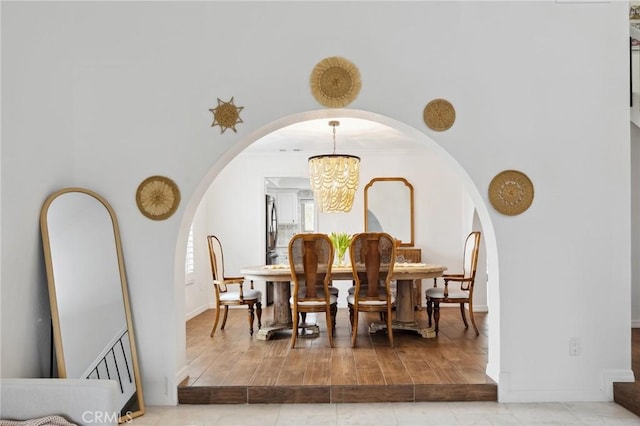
(334, 178)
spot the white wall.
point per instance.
(635, 224)
(105, 94)
(199, 294)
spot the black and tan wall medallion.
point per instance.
(158, 197)
(226, 115)
(335, 82)
(439, 115)
(511, 192)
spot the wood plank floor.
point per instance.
(234, 367)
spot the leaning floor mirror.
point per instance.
(91, 317)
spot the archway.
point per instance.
(493, 363)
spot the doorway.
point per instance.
(420, 143)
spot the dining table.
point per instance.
(404, 274)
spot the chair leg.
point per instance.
(251, 317)
(224, 318)
(389, 326)
(259, 314)
(429, 310)
(351, 316)
(473, 321)
(464, 316)
(215, 322)
(294, 329)
(303, 317)
(436, 315)
(330, 318)
(334, 313)
(354, 329)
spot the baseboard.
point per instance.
(182, 374)
(635, 323)
(476, 308)
(605, 393)
(195, 312)
(507, 394)
(609, 377)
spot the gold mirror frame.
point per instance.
(390, 189)
(72, 221)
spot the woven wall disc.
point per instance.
(335, 82)
(511, 192)
(226, 115)
(439, 115)
(158, 197)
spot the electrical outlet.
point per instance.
(574, 346)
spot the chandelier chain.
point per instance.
(334, 123)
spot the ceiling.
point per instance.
(353, 136)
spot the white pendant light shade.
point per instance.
(334, 181)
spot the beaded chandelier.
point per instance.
(334, 178)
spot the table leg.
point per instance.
(405, 314)
(404, 302)
(281, 311)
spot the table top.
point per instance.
(401, 271)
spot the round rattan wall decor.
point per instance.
(439, 115)
(158, 197)
(335, 82)
(511, 192)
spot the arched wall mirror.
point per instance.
(388, 207)
(91, 318)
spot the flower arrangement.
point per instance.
(341, 242)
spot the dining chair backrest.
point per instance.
(373, 255)
(470, 259)
(217, 260)
(310, 260)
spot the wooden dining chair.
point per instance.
(310, 260)
(226, 292)
(373, 255)
(462, 295)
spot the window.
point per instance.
(189, 264)
(308, 215)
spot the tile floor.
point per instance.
(400, 414)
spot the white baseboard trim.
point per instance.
(476, 308)
(604, 393)
(611, 376)
(635, 323)
(201, 309)
(507, 394)
(182, 374)
(197, 311)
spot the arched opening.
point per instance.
(426, 143)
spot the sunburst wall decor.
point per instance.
(158, 197)
(335, 82)
(226, 115)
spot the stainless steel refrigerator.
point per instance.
(271, 239)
